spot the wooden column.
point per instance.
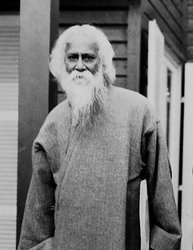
(54, 31)
(187, 181)
(134, 45)
(38, 21)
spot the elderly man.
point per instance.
(91, 155)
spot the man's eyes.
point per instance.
(72, 57)
(85, 57)
(88, 58)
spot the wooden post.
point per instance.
(134, 45)
(54, 31)
(187, 183)
(35, 31)
(156, 76)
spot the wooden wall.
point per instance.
(169, 16)
(9, 80)
(111, 17)
(189, 29)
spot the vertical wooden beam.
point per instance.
(35, 32)
(187, 182)
(156, 72)
(54, 31)
(134, 45)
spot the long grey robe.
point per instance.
(84, 192)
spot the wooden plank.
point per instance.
(190, 53)
(190, 12)
(185, 25)
(190, 2)
(134, 45)
(121, 67)
(189, 31)
(10, 22)
(90, 3)
(176, 49)
(8, 179)
(8, 129)
(175, 44)
(190, 25)
(156, 10)
(93, 17)
(178, 52)
(172, 8)
(120, 50)
(190, 38)
(114, 33)
(179, 5)
(121, 81)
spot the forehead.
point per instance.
(81, 44)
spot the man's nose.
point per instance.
(80, 65)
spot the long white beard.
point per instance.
(86, 94)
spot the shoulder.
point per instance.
(55, 121)
(132, 99)
(59, 112)
(57, 116)
(137, 106)
(129, 96)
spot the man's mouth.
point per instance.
(80, 76)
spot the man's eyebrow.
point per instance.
(72, 54)
(88, 54)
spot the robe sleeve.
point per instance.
(165, 232)
(38, 221)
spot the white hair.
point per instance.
(86, 94)
(106, 52)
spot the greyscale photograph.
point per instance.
(96, 125)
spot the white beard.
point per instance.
(86, 94)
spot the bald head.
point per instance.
(87, 45)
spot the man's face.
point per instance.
(83, 79)
(81, 55)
